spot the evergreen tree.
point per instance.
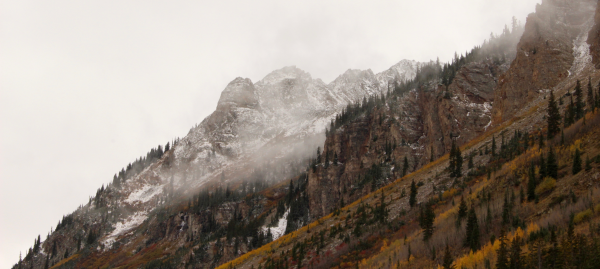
(577, 162)
(588, 164)
(426, 221)
(448, 260)
(516, 261)
(472, 231)
(543, 168)
(493, 146)
(413, 194)
(455, 161)
(405, 166)
(553, 117)
(578, 101)
(531, 184)
(590, 95)
(462, 209)
(502, 259)
(552, 167)
(470, 165)
(570, 113)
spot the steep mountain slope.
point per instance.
(248, 173)
(381, 230)
(280, 118)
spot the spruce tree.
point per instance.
(472, 231)
(552, 166)
(462, 209)
(516, 260)
(412, 200)
(577, 162)
(448, 260)
(578, 101)
(553, 117)
(405, 166)
(426, 221)
(452, 160)
(543, 168)
(470, 165)
(493, 146)
(531, 184)
(502, 259)
(570, 113)
(590, 95)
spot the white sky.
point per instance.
(88, 86)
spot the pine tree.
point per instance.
(570, 113)
(552, 166)
(472, 231)
(448, 260)
(578, 101)
(470, 165)
(405, 166)
(543, 168)
(426, 221)
(493, 146)
(516, 260)
(577, 162)
(590, 95)
(462, 209)
(531, 184)
(431, 158)
(553, 117)
(413, 194)
(502, 259)
(455, 161)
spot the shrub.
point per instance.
(583, 216)
(547, 185)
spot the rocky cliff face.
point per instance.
(594, 39)
(411, 125)
(545, 54)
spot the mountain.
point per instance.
(416, 166)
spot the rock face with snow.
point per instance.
(286, 107)
(418, 125)
(545, 54)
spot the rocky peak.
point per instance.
(283, 74)
(239, 93)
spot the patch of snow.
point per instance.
(144, 194)
(124, 227)
(581, 49)
(278, 230)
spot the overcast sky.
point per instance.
(88, 86)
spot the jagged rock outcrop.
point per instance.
(544, 55)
